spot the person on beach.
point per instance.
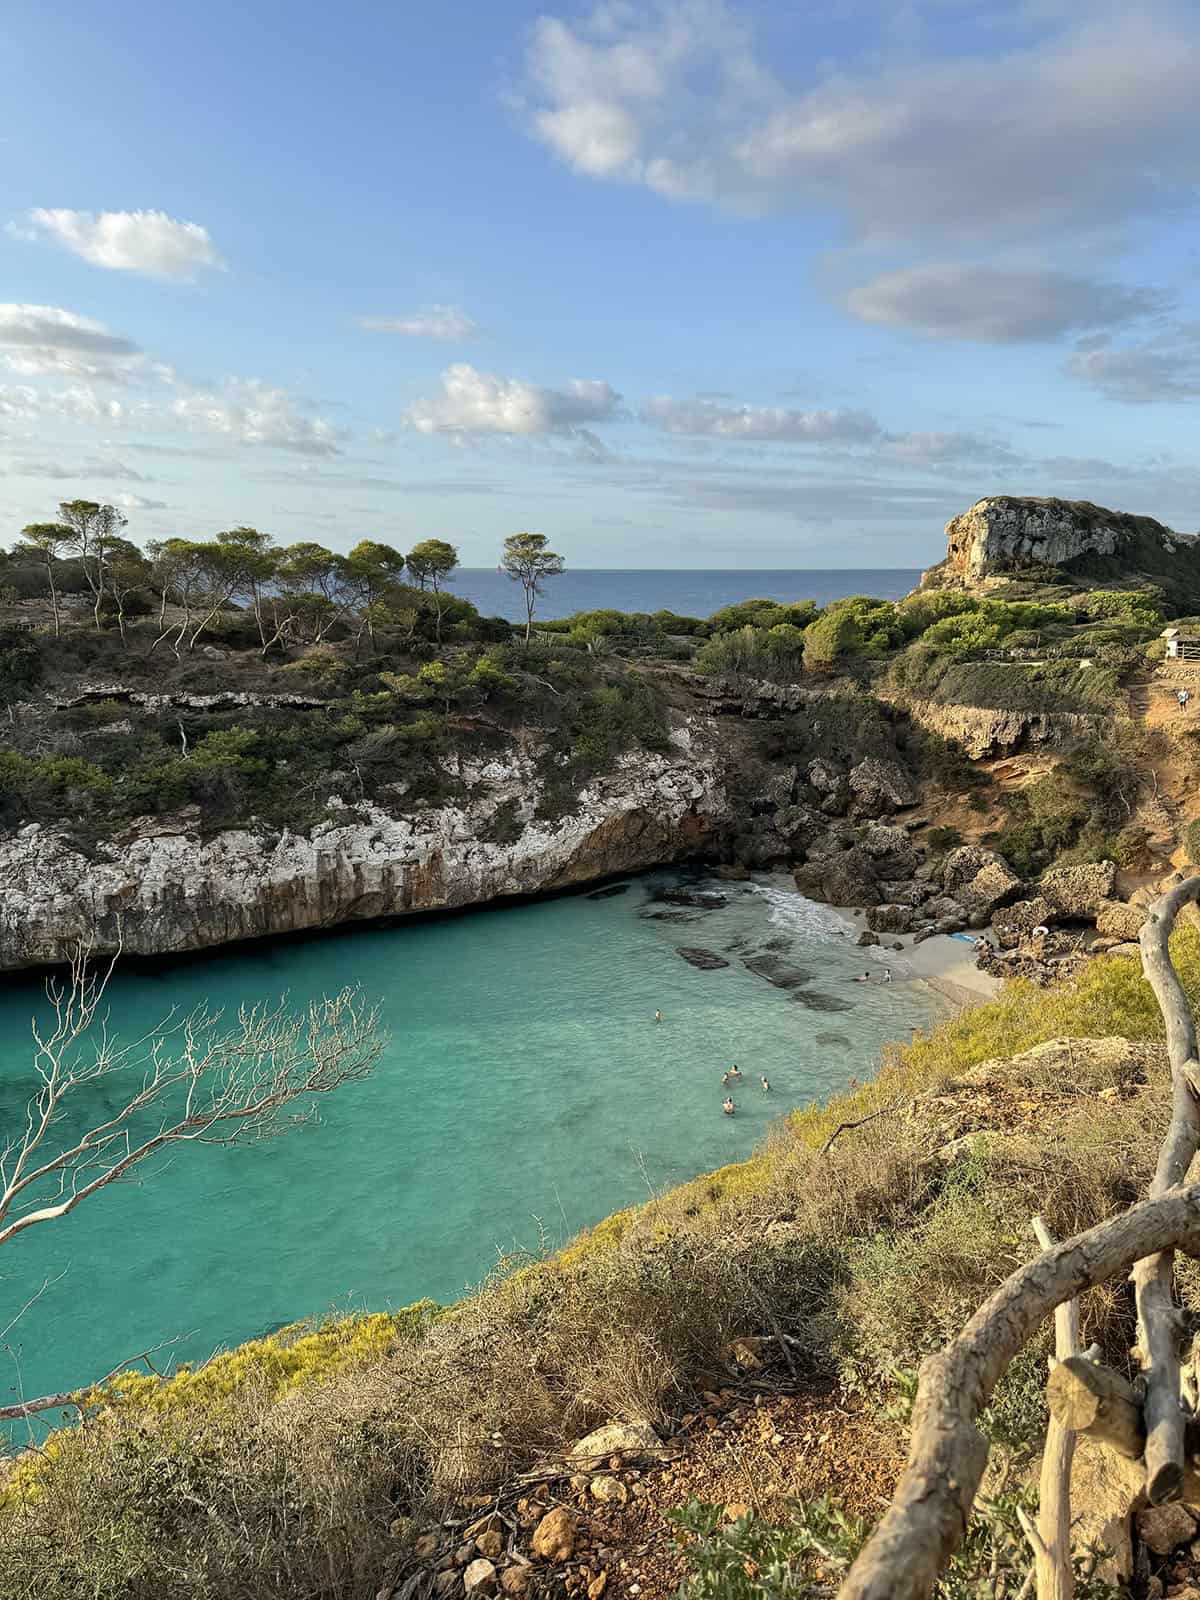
(765, 1084)
(728, 1107)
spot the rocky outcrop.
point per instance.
(878, 787)
(1005, 533)
(1116, 920)
(1081, 890)
(165, 888)
(979, 880)
(989, 731)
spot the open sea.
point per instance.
(689, 594)
(525, 1091)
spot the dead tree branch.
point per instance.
(1052, 1549)
(1159, 1328)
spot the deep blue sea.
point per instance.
(525, 1091)
(689, 594)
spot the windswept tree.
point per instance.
(194, 1079)
(254, 562)
(126, 572)
(49, 540)
(528, 562)
(375, 571)
(180, 569)
(433, 562)
(91, 528)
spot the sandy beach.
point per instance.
(945, 964)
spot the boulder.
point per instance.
(776, 971)
(880, 787)
(849, 879)
(901, 892)
(884, 839)
(1017, 922)
(480, 1577)
(978, 879)
(630, 1439)
(799, 825)
(1164, 1528)
(555, 1535)
(944, 906)
(891, 919)
(515, 1581)
(824, 776)
(1119, 921)
(865, 938)
(1079, 891)
(781, 786)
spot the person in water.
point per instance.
(765, 1084)
(887, 975)
(866, 978)
(728, 1107)
(735, 1072)
(658, 1016)
(724, 1080)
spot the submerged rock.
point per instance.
(706, 960)
(815, 1000)
(832, 1038)
(607, 894)
(691, 897)
(780, 973)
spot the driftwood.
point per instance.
(1088, 1398)
(928, 1516)
(1051, 1536)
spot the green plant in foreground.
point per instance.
(807, 1556)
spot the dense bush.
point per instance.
(763, 614)
(775, 654)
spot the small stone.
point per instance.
(618, 1438)
(597, 1586)
(736, 1510)
(464, 1553)
(515, 1580)
(580, 1481)
(480, 1578)
(426, 1546)
(554, 1537)
(489, 1543)
(1161, 1528)
(609, 1491)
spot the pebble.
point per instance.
(480, 1577)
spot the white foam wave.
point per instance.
(805, 918)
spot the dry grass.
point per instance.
(866, 1257)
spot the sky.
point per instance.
(677, 283)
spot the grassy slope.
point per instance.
(261, 1475)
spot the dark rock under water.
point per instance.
(706, 960)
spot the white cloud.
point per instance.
(474, 402)
(995, 305)
(1163, 367)
(430, 322)
(79, 403)
(707, 419)
(108, 470)
(251, 412)
(138, 502)
(1093, 122)
(147, 242)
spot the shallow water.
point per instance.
(525, 1091)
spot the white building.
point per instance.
(1183, 644)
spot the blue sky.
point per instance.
(689, 283)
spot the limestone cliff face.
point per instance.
(163, 889)
(983, 731)
(1003, 533)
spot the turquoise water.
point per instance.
(526, 1091)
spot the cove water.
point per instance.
(525, 1091)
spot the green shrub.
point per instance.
(944, 838)
(1191, 841)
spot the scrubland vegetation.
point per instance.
(302, 1462)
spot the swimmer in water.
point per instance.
(765, 1084)
(735, 1072)
(866, 978)
(728, 1107)
(658, 1016)
(887, 975)
(724, 1080)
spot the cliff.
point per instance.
(162, 887)
(1004, 536)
